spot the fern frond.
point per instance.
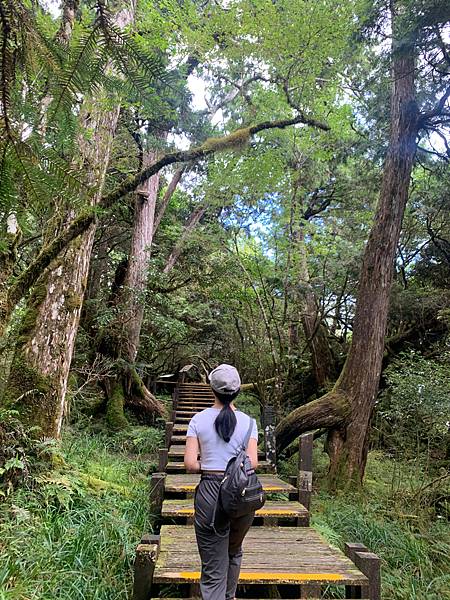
(72, 80)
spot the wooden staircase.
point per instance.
(283, 556)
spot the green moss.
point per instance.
(236, 139)
(114, 410)
(72, 301)
(30, 393)
(31, 315)
(28, 390)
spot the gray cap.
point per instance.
(225, 379)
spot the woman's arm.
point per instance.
(191, 461)
(252, 452)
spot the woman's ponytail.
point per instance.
(226, 421)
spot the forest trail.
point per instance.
(283, 556)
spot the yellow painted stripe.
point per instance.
(261, 511)
(262, 575)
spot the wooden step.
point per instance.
(178, 439)
(196, 395)
(186, 483)
(196, 402)
(195, 384)
(191, 398)
(272, 556)
(273, 512)
(180, 429)
(196, 392)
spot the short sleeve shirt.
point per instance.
(214, 451)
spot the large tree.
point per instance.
(37, 382)
(347, 409)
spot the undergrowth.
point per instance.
(395, 518)
(71, 532)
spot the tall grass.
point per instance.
(391, 517)
(73, 535)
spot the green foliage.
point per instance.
(413, 413)
(74, 536)
(394, 517)
(22, 455)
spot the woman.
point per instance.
(217, 434)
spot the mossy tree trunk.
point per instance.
(37, 384)
(121, 340)
(348, 415)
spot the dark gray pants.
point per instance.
(220, 549)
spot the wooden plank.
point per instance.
(271, 555)
(272, 508)
(178, 439)
(188, 482)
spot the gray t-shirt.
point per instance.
(214, 451)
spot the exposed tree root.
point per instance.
(140, 399)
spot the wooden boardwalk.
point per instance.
(283, 556)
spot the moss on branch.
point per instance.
(81, 223)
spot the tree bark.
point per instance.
(39, 372)
(121, 339)
(359, 380)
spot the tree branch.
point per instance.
(331, 410)
(87, 218)
(436, 110)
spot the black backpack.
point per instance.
(240, 491)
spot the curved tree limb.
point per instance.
(329, 411)
(212, 145)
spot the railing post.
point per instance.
(175, 395)
(169, 432)
(305, 469)
(269, 436)
(157, 482)
(163, 459)
(369, 564)
(144, 566)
